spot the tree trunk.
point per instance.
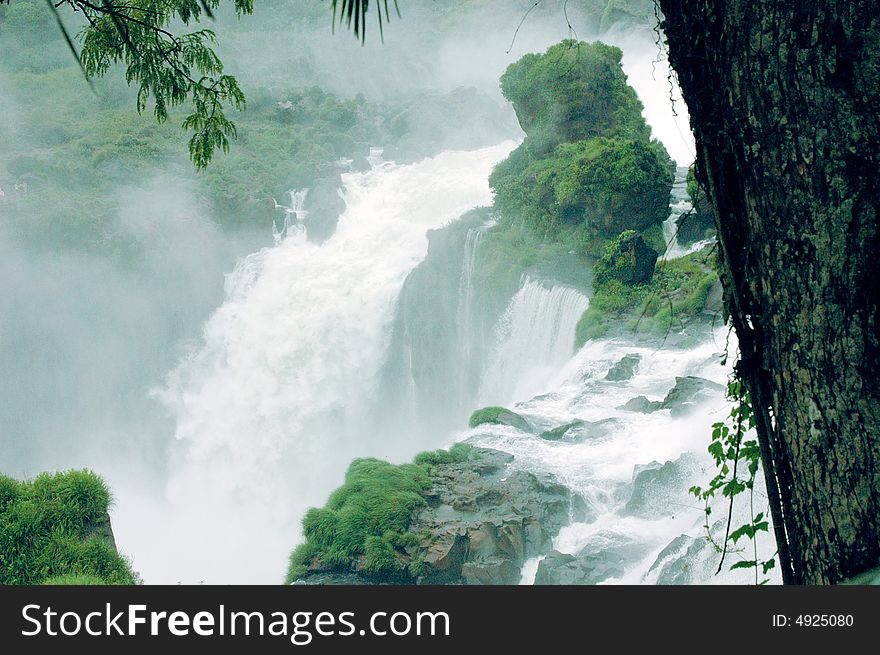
(783, 99)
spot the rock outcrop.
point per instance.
(625, 368)
(578, 431)
(483, 521)
(679, 400)
(607, 556)
(659, 489)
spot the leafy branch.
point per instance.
(168, 68)
(733, 452)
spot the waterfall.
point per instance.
(533, 339)
(467, 331)
(680, 203)
(294, 210)
(273, 405)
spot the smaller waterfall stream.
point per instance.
(533, 340)
(294, 215)
(680, 204)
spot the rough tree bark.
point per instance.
(784, 98)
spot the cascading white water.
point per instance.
(465, 310)
(272, 407)
(680, 204)
(294, 215)
(533, 339)
(600, 467)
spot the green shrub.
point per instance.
(458, 453)
(74, 579)
(486, 415)
(676, 295)
(54, 526)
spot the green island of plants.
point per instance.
(588, 168)
(55, 530)
(364, 526)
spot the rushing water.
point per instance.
(533, 340)
(294, 215)
(680, 203)
(600, 468)
(465, 310)
(282, 391)
(274, 402)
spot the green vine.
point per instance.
(738, 458)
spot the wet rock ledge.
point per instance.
(480, 521)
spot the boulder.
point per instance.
(686, 560)
(483, 520)
(681, 399)
(660, 490)
(625, 368)
(608, 555)
(499, 416)
(578, 431)
(642, 405)
(558, 433)
(687, 390)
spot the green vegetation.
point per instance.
(77, 151)
(365, 524)
(627, 259)
(588, 168)
(676, 295)
(486, 415)
(737, 460)
(573, 92)
(55, 529)
(81, 153)
(74, 579)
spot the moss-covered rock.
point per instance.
(588, 168)
(476, 522)
(364, 526)
(573, 91)
(499, 416)
(588, 189)
(56, 528)
(627, 259)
